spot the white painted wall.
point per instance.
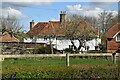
(61, 43)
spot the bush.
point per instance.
(68, 50)
(61, 72)
(43, 50)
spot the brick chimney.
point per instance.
(31, 24)
(62, 16)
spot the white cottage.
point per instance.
(55, 35)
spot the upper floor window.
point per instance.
(118, 38)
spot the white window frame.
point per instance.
(117, 38)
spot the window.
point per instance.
(31, 37)
(118, 38)
(45, 38)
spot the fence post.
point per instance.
(114, 58)
(67, 59)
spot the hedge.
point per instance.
(61, 72)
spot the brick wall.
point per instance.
(113, 45)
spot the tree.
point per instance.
(105, 20)
(115, 20)
(89, 19)
(12, 26)
(77, 29)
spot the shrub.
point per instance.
(68, 50)
(61, 72)
(43, 50)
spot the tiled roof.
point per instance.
(113, 30)
(8, 38)
(46, 29)
(50, 28)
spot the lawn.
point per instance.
(42, 68)
(52, 61)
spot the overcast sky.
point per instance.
(45, 10)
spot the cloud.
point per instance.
(102, 4)
(73, 8)
(14, 7)
(12, 12)
(104, 0)
(30, 1)
(85, 10)
(61, 1)
(20, 4)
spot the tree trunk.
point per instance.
(79, 47)
(51, 47)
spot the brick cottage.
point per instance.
(113, 39)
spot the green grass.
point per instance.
(55, 68)
(52, 61)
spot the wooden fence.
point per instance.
(114, 55)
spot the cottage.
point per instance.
(8, 38)
(53, 34)
(7, 41)
(113, 39)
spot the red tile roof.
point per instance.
(8, 38)
(46, 29)
(49, 28)
(113, 30)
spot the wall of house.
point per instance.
(61, 43)
(113, 45)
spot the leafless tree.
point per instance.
(12, 26)
(89, 19)
(77, 29)
(105, 21)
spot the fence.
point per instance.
(63, 55)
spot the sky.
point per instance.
(47, 10)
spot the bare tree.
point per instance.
(115, 20)
(76, 29)
(89, 19)
(105, 20)
(12, 26)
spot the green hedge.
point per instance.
(43, 50)
(68, 50)
(61, 72)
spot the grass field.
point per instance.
(56, 68)
(52, 61)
